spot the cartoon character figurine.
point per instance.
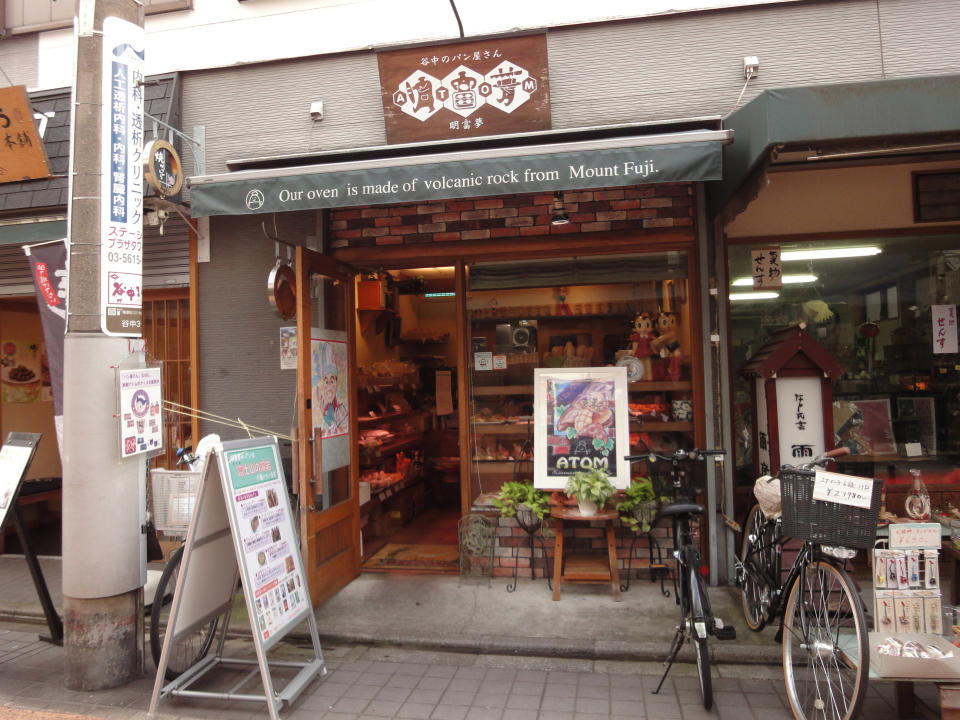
(667, 344)
(641, 340)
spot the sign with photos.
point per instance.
(580, 423)
(459, 91)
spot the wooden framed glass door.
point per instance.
(329, 505)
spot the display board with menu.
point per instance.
(242, 528)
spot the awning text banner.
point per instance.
(338, 185)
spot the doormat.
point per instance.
(419, 558)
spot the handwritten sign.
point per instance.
(944, 328)
(843, 489)
(766, 272)
(22, 156)
(914, 535)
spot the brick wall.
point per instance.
(604, 210)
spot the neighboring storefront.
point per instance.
(33, 212)
(855, 190)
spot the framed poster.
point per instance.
(330, 385)
(580, 422)
(864, 426)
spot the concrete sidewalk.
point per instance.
(439, 612)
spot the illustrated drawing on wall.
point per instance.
(329, 382)
(580, 418)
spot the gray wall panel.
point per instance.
(19, 58)
(240, 373)
(920, 38)
(658, 68)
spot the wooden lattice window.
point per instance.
(936, 196)
(166, 329)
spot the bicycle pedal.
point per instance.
(729, 632)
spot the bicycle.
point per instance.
(822, 624)
(697, 622)
(174, 496)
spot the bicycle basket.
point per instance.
(174, 493)
(827, 523)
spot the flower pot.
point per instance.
(646, 513)
(527, 518)
(587, 508)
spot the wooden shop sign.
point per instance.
(463, 90)
(22, 156)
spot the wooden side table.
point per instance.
(585, 568)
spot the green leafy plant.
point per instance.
(521, 492)
(591, 485)
(639, 504)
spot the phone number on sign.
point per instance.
(125, 258)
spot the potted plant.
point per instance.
(592, 489)
(639, 505)
(520, 499)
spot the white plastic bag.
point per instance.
(767, 491)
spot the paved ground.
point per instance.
(366, 683)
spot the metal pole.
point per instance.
(103, 571)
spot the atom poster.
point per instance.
(580, 422)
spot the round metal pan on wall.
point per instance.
(282, 290)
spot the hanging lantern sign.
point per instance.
(161, 168)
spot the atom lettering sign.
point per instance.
(465, 90)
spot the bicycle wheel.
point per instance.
(190, 648)
(825, 655)
(758, 557)
(700, 626)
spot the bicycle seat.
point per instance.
(682, 509)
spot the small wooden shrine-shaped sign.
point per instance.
(792, 399)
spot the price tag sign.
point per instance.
(843, 489)
(914, 535)
(483, 361)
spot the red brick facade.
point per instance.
(630, 208)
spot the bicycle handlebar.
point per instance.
(678, 455)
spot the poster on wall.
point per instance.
(24, 374)
(141, 414)
(330, 383)
(864, 426)
(580, 422)
(288, 348)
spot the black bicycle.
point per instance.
(822, 627)
(697, 622)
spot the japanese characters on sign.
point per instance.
(944, 328)
(161, 168)
(141, 416)
(850, 490)
(121, 215)
(22, 156)
(475, 88)
(268, 545)
(765, 268)
(799, 419)
(904, 536)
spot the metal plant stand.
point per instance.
(658, 568)
(529, 522)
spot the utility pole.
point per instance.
(103, 503)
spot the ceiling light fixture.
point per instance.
(739, 297)
(560, 216)
(829, 253)
(786, 280)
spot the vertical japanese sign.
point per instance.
(799, 419)
(944, 328)
(121, 201)
(766, 271)
(22, 155)
(141, 416)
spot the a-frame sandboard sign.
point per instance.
(241, 529)
(15, 457)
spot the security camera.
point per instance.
(316, 111)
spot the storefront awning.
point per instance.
(610, 162)
(844, 113)
(32, 231)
